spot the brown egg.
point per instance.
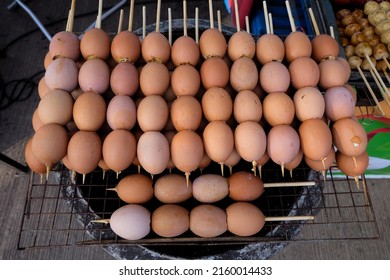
(153, 152)
(186, 113)
(204, 162)
(119, 149)
(169, 136)
(94, 75)
(278, 108)
(170, 220)
(207, 220)
(135, 188)
(172, 188)
(121, 112)
(352, 91)
(232, 160)
(339, 103)
(89, 111)
(49, 144)
(84, 151)
(154, 79)
(321, 165)
(47, 60)
(346, 65)
(125, 47)
(65, 161)
(304, 72)
(244, 219)
(244, 186)
(185, 51)
(247, 107)
(212, 43)
(324, 47)
(33, 163)
(352, 166)
(124, 79)
(274, 77)
(95, 43)
(282, 144)
(36, 121)
(155, 47)
(210, 188)
(241, 44)
(295, 162)
(244, 74)
(56, 107)
(43, 89)
(297, 44)
(309, 103)
(218, 141)
(332, 74)
(65, 44)
(152, 113)
(187, 150)
(269, 47)
(250, 140)
(62, 74)
(76, 93)
(185, 80)
(214, 73)
(217, 105)
(102, 164)
(349, 137)
(316, 139)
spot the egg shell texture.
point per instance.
(210, 188)
(241, 44)
(121, 112)
(124, 79)
(62, 73)
(152, 113)
(274, 77)
(250, 140)
(65, 44)
(214, 72)
(154, 78)
(304, 72)
(94, 75)
(244, 219)
(309, 103)
(95, 43)
(269, 47)
(172, 188)
(186, 113)
(153, 152)
(247, 107)
(207, 220)
(185, 80)
(245, 186)
(218, 141)
(131, 222)
(243, 74)
(56, 107)
(135, 188)
(125, 47)
(339, 103)
(282, 144)
(170, 220)
(217, 105)
(185, 50)
(89, 111)
(212, 43)
(278, 108)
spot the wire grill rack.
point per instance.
(61, 213)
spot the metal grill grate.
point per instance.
(59, 213)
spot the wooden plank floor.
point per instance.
(24, 58)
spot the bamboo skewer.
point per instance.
(271, 25)
(383, 86)
(184, 17)
(98, 23)
(290, 17)
(170, 26)
(219, 20)
(267, 219)
(380, 87)
(158, 14)
(120, 21)
(69, 23)
(211, 13)
(314, 21)
(131, 16)
(237, 15)
(143, 21)
(370, 90)
(289, 184)
(197, 25)
(266, 19)
(248, 30)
